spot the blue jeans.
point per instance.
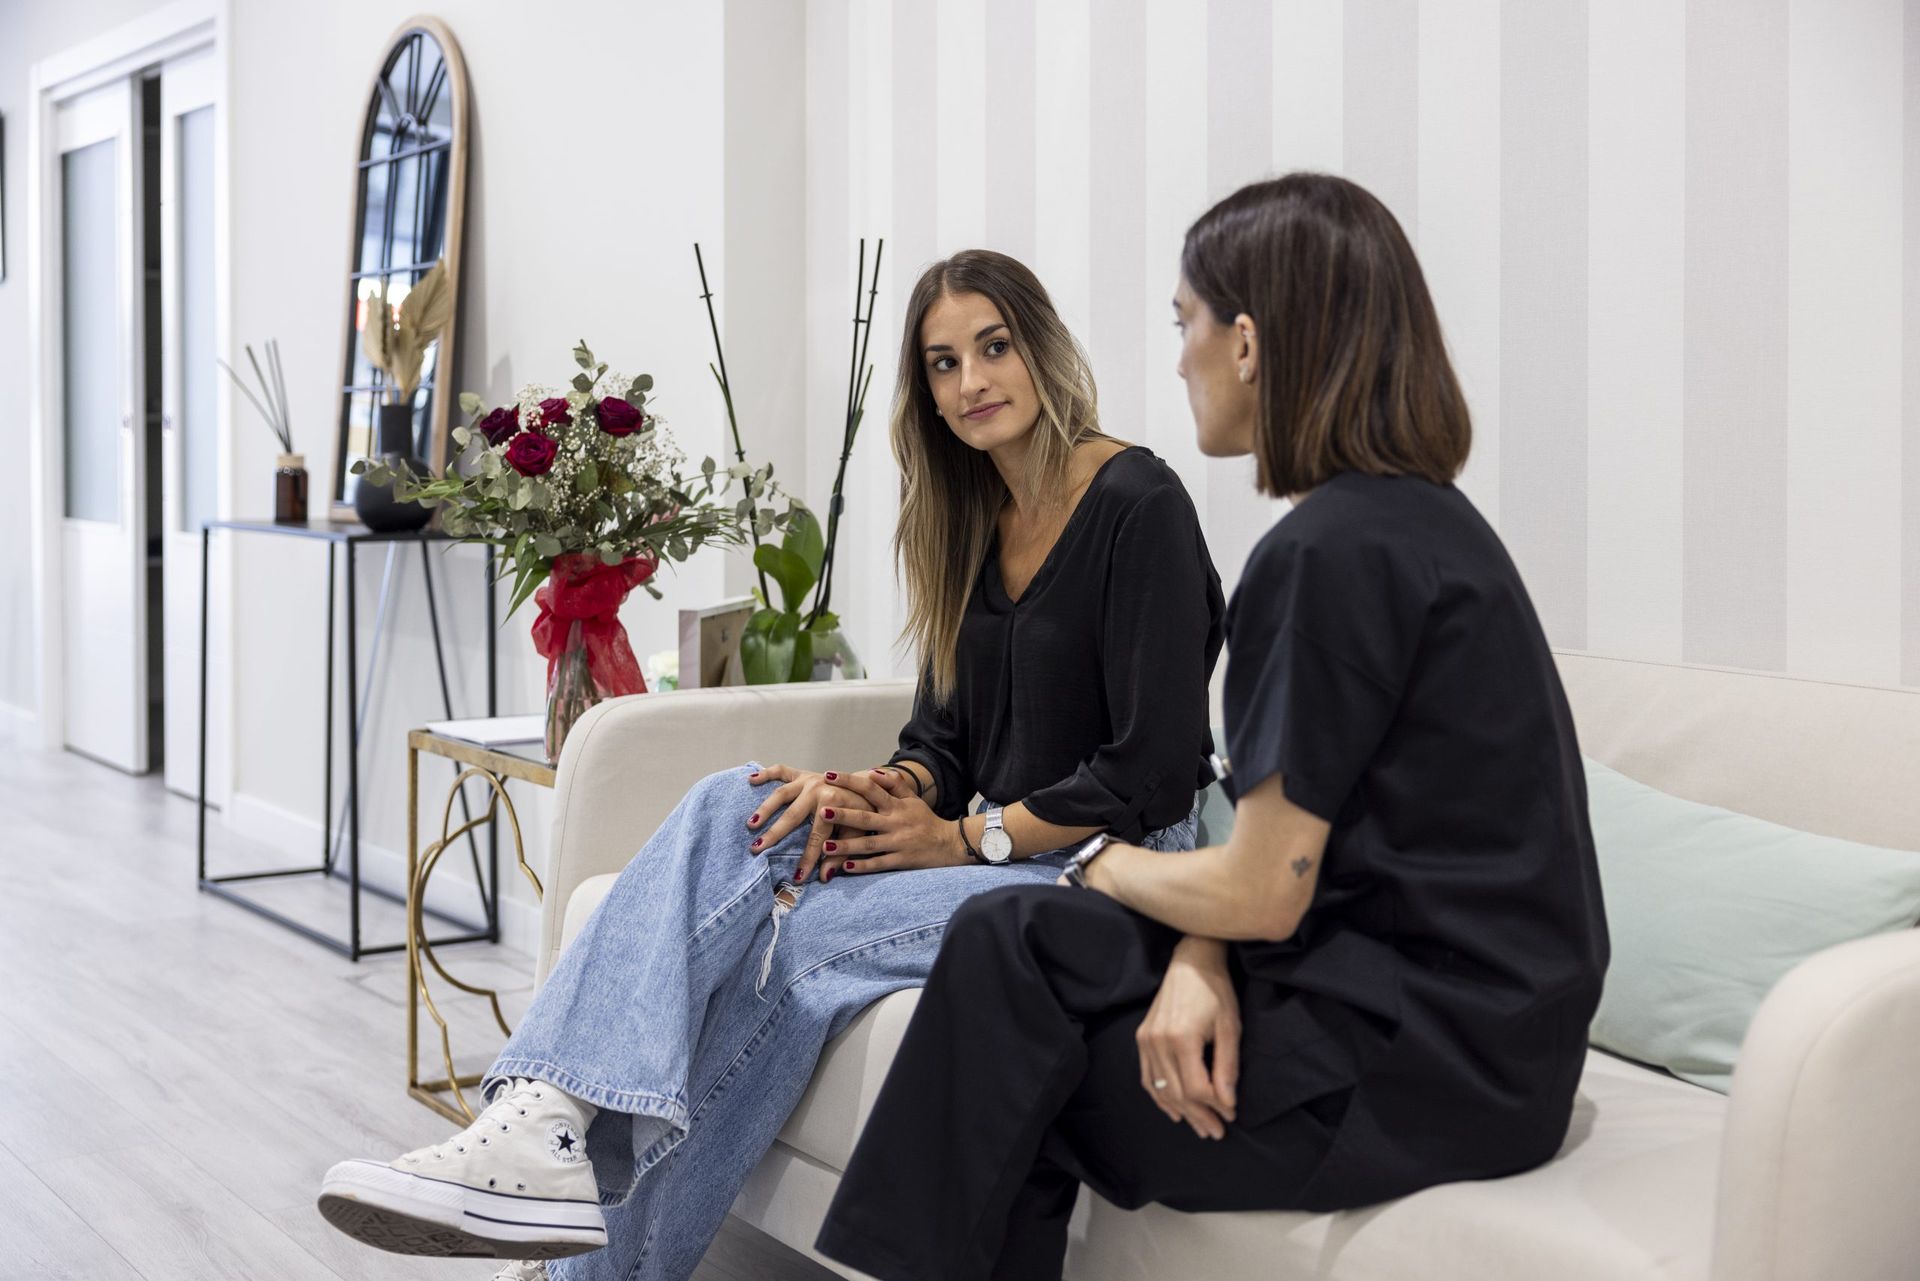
(693, 1007)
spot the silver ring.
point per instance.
(1160, 1084)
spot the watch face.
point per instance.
(995, 845)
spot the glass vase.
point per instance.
(570, 692)
(834, 659)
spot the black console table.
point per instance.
(350, 537)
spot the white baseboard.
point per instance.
(452, 890)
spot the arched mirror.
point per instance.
(409, 203)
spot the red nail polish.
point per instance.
(827, 814)
(848, 865)
(754, 819)
(831, 847)
(826, 874)
(756, 842)
(831, 776)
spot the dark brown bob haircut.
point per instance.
(1354, 374)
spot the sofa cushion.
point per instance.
(1631, 1196)
(1708, 909)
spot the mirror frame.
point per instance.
(340, 507)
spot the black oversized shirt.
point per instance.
(1087, 698)
(1386, 661)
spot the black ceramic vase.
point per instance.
(377, 507)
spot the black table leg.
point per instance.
(446, 703)
(493, 709)
(206, 539)
(353, 761)
(326, 802)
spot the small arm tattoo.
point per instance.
(1301, 866)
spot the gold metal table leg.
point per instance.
(420, 867)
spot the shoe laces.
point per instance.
(523, 1270)
(498, 1118)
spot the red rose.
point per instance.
(554, 411)
(499, 425)
(531, 454)
(618, 418)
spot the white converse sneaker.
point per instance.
(516, 1184)
(523, 1270)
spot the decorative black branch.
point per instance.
(726, 394)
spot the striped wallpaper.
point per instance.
(1675, 246)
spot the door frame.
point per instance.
(179, 28)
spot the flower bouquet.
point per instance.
(585, 494)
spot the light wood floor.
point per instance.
(177, 1073)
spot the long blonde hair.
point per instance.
(950, 493)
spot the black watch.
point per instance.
(1088, 851)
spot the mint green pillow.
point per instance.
(1707, 909)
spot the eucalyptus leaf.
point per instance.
(581, 356)
(583, 382)
(470, 404)
(644, 383)
(547, 546)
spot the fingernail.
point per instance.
(847, 866)
(831, 776)
(831, 847)
(827, 814)
(755, 774)
(756, 841)
(753, 820)
(826, 874)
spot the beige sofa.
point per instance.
(1808, 1172)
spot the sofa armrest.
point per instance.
(1821, 1159)
(628, 762)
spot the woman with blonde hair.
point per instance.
(1067, 617)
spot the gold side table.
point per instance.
(492, 766)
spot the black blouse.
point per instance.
(1387, 663)
(1087, 698)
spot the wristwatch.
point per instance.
(996, 847)
(1089, 851)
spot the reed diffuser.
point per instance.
(290, 474)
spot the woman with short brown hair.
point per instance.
(1383, 979)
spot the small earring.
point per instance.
(1246, 375)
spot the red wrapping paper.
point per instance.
(581, 589)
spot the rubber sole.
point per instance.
(405, 1213)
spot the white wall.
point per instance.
(1665, 240)
(601, 150)
(1670, 244)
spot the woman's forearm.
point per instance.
(1211, 892)
(1257, 886)
(1031, 834)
